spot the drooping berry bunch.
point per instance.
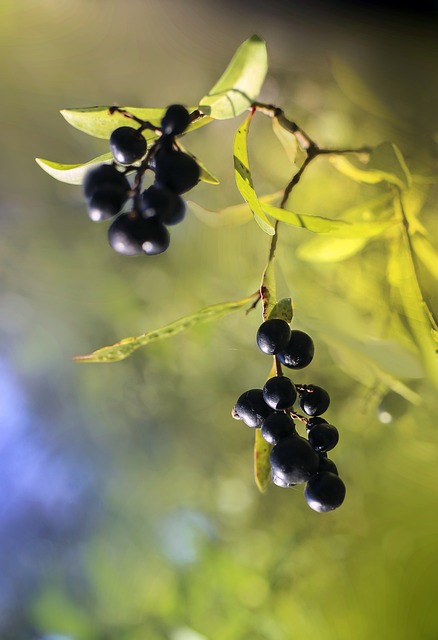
(142, 227)
(293, 458)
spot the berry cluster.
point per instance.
(294, 459)
(142, 228)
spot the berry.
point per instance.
(176, 170)
(127, 145)
(175, 120)
(106, 202)
(273, 336)
(277, 426)
(279, 393)
(311, 422)
(101, 176)
(293, 460)
(323, 437)
(251, 408)
(281, 483)
(299, 352)
(314, 400)
(324, 492)
(325, 464)
(131, 235)
(166, 205)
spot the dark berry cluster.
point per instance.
(142, 227)
(294, 459)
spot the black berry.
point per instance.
(277, 426)
(176, 170)
(299, 351)
(293, 460)
(311, 422)
(282, 483)
(324, 492)
(127, 145)
(101, 176)
(325, 464)
(106, 202)
(175, 120)
(273, 335)
(164, 204)
(279, 393)
(251, 408)
(314, 400)
(131, 235)
(323, 437)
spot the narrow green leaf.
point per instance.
(359, 93)
(71, 173)
(243, 177)
(262, 450)
(100, 123)
(318, 224)
(268, 288)
(283, 310)
(323, 249)
(287, 139)
(427, 254)
(127, 346)
(356, 172)
(233, 215)
(240, 83)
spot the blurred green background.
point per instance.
(127, 503)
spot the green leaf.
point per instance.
(359, 93)
(386, 163)
(262, 450)
(240, 83)
(127, 346)
(100, 123)
(243, 177)
(427, 254)
(268, 288)
(287, 139)
(233, 215)
(318, 224)
(71, 173)
(323, 249)
(283, 310)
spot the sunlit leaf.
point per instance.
(100, 123)
(268, 288)
(283, 310)
(318, 224)
(323, 249)
(287, 139)
(358, 92)
(71, 173)
(127, 346)
(232, 215)
(427, 254)
(243, 177)
(356, 172)
(262, 450)
(240, 83)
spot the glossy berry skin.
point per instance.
(251, 408)
(158, 202)
(325, 464)
(176, 171)
(102, 176)
(293, 460)
(314, 400)
(273, 335)
(277, 426)
(323, 437)
(312, 422)
(127, 145)
(279, 393)
(131, 235)
(282, 483)
(175, 120)
(324, 492)
(106, 202)
(299, 351)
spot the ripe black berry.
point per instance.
(299, 352)
(131, 235)
(106, 202)
(176, 170)
(325, 464)
(127, 145)
(101, 176)
(251, 408)
(273, 335)
(324, 492)
(311, 422)
(277, 426)
(175, 120)
(323, 437)
(314, 400)
(282, 483)
(293, 460)
(279, 393)
(167, 206)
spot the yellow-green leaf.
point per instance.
(240, 83)
(427, 254)
(233, 215)
(243, 177)
(283, 310)
(268, 288)
(287, 139)
(323, 249)
(71, 173)
(262, 450)
(127, 346)
(100, 123)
